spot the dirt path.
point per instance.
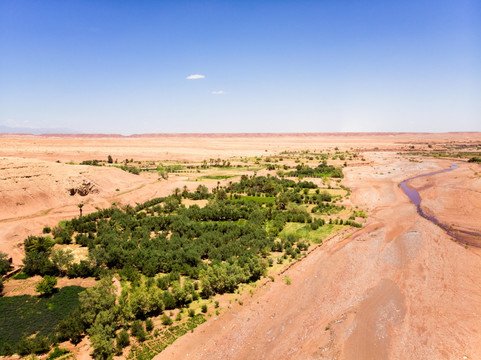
(401, 289)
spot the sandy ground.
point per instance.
(27, 286)
(400, 288)
(36, 193)
(200, 147)
(442, 195)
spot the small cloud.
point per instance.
(219, 92)
(195, 77)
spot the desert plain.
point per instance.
(400, 287)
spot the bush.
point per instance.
(204, 308)
(82, 269)
(38, 244)
(168, 300)
(71, 328)
(163, 282)
(191, 312)
(46, 286)
(138, 330)
(102, 341)
(62, 235)
(38, 263)
(37, 345)
(21, 276)
(6, 349)
(123, 340)
(56, 353)
(325, 196)
(24, 346)
(166, 320)
(4, 263)
(149, 325)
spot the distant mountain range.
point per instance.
(65, 132)
(35, 131)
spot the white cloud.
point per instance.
(195, 77)
(219, 92)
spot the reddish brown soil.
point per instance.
(27, 286)
(195, 147)
(454, 204)
(399, 289)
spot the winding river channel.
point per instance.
(413, 194)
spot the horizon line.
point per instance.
(236, 134)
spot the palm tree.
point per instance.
(176, 193)
(80, 206)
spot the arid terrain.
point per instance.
(399, 288)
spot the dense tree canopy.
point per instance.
(170, 254)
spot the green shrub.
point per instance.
(166, 320)
(46, 286)
(4, 263)
(56, 353)
(138, 330)
(71, 328)
(21, 276)
(123, 340)
(36, 345)
(6, 349)
(149, 325)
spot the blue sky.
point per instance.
(268, 66)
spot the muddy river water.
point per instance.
(464, 236)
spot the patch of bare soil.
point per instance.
(27, 286)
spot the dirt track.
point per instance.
(401, 289)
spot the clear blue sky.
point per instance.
(268, 66)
